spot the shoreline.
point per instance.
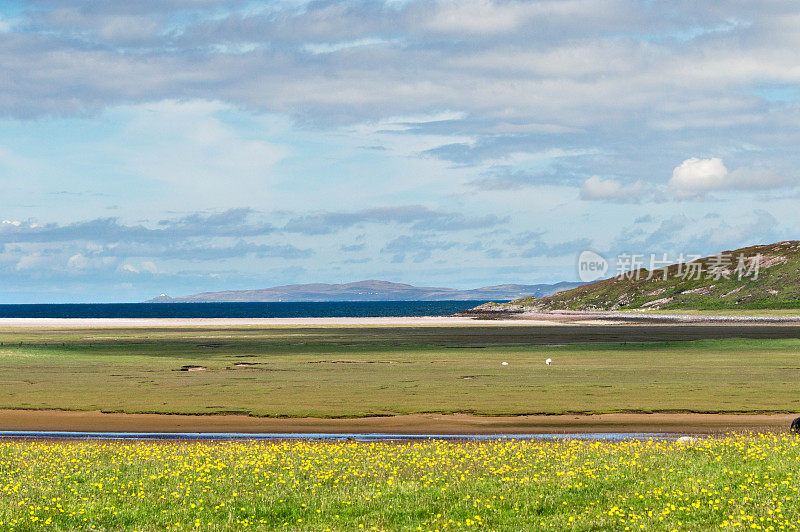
(444, 424)
(392, 321)
(462, 319)
(504, 320)
(612, 317)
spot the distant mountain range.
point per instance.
(370, 291)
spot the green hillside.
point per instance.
(757, 277)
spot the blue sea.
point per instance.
(338, 309)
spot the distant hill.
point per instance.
(726, 281)
(369, 291)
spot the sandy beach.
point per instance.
(483, 320)
(688, 423)
(420, 321)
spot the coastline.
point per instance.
(445, 424)
(393, 321)
(612, 317)
(399, 321)
(462, 319)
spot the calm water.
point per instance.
(339, 309)
(363, 437)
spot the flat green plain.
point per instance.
(743, 313)
(350, 372)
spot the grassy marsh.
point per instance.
(347, 372)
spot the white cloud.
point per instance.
(489, 17)
(695, 177)
(149, 267)
(77, 262)
(329, 48)
(511, 128)
(477, 16)
(236, 48)
(144, 267)
(572, 64)
(404, 122)
(597, 188)
(30, 262)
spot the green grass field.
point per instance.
(342, 372)
(738, 482)
(782, 312)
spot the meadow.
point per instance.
(350, 372)
(739, 482)
(743, 313)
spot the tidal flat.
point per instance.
(354, 372)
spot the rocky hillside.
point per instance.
(757, 277)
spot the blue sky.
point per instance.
(181, 146)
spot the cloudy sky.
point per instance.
(187, 145)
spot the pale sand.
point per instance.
(421, 321)
(409, 424)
